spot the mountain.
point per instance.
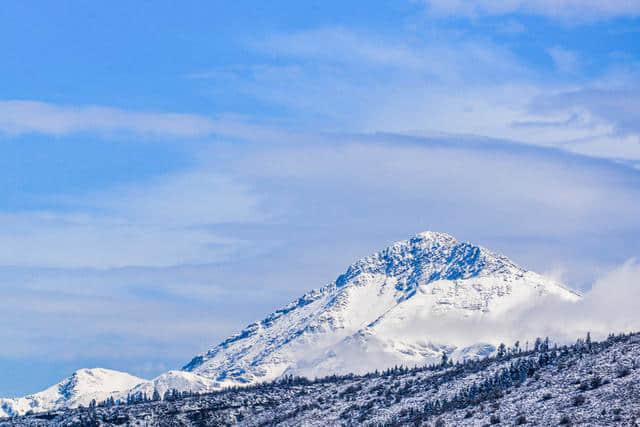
(400, 306)
(98, 384)
(391, 308)
(589, 383)
(80, 388)
(172, 380)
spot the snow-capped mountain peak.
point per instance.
(86, 385)
(386, 306)
(430, 256)
(386, 309)
(83, 386)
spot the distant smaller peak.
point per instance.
(98, 374)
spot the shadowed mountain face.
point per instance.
(383, 310)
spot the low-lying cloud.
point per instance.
(610, 306)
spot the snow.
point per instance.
(399, 306)
(172, 380)
(86, 385)
(80, 388)
(385, 309)
(539, 387)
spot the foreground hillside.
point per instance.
(587, 383)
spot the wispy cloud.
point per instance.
(20, 118)
(62, 241)
(581, 10)
(458, 84)
(618, 106)
(24, 117)
(159, 223)
(450, 169)
(432, 59)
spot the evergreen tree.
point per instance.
(502, 351)
(537, 345)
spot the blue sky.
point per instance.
(171, 172)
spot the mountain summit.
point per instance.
(388, 308)
(80, 388)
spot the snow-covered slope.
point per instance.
(583, 385)
(78, 389)
(172, 380)
(86, 385)
(386, 309)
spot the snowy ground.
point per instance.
(594, 384)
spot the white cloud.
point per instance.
(96, 325)
(506, 186)
(570, 10)
(61, 241)
(159, 223)
(193, 198)
(618, 106)
(18, 118)
(609, 307)
(433, 59)
(357, 82)
(22, 117)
